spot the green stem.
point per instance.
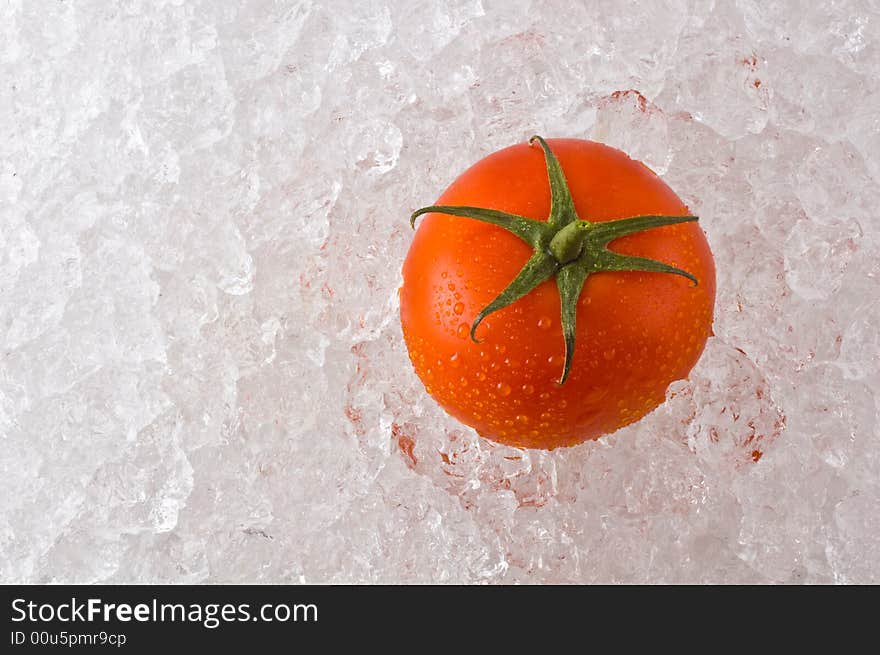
(566, 247)
(568, 244)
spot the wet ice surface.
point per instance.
(203, 211)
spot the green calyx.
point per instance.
(565, 246)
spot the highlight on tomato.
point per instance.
(553, 293)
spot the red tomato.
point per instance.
(632, 331)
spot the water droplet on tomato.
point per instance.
(455, 360)
(503, 389)
(463, 331)
(522, 418)
(528, 389)
(459, 308)
(444, 275)
(480, 376)
(545, 322)
(610, 354)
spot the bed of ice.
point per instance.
(203, 212)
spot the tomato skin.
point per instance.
(636, 331)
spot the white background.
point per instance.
(203, 212)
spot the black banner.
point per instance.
(136, 617)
